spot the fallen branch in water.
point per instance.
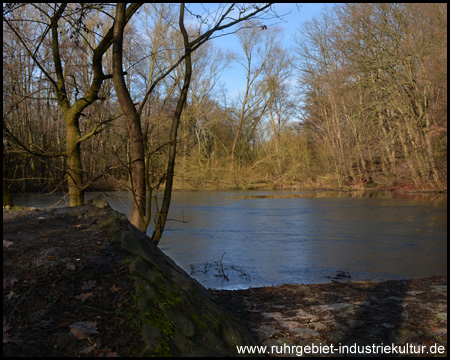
(220, 267)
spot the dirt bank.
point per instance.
(363, 313)
(66, 290)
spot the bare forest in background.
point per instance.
(360, 101)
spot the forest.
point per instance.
(109, 97)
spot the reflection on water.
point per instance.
(271, 237)
(350, 193)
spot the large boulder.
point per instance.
(179, 316)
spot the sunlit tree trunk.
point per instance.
(133, 121)
(73, 155)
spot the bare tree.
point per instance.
(370, 91)
(59, 76)
(224, 17)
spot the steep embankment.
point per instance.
(84, 281)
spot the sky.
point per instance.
(234, 78)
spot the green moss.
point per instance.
(156, 316)
(163, 350)
(159, 320)
(201, 324)
(166, 296)
(133, 317)
(154, 310)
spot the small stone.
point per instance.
(415, 292)
(99, 201)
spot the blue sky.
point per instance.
(234, 78)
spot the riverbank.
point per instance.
(67, 292)
(407, 191)
(23, 201)
(365, 313)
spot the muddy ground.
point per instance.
(412, 312)
(67, 292)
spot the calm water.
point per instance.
(272, 240)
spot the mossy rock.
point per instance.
(179, 316)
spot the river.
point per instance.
(241, 239)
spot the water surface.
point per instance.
(244, 239)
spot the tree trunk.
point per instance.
(162, 215)
(133, 120)
(138, 172)
(74, 171)
(7, 200)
